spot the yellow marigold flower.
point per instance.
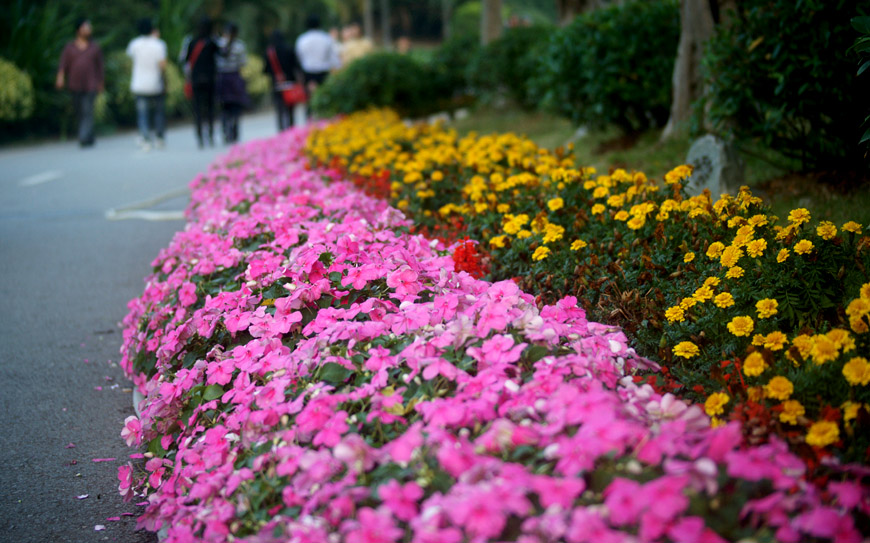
(503, 208)
(497, 241)
(864, 292)
(511, 227)
(578, 244)
(686, 349)
(766, 308)
(756, 248)
(669, 205)
(688, 257)
(703, 294)
(804, 344)
(758, 220)
(782, 256)
(687, 303)
(823, 433)
(723, 300)
(735, 221)
(523, 234)
(758, 340)
(858, 325)
(791, 410)
(730, 256)
(799, 216)
(734, 272)
(541, 253)
(616, 200)
(715, 404)
(803, 247)
(402, 204)
(853, 227)
(712, 281)
(754, 365)
(857, 371)
(741, 326)
(678, 174)
(553, 232)
(621, 215)
(600, 192)
(716, 422)
(824, 350)
(842, 339)
(437, 175)
(662, 216)
(775, 341)
(480, 207)
(755, 394)
(675, 313)
(589, 185)
(715, 249)
(858, 307)
(598, 209)
(636, 223)
(779, 388)
(826, 230)
(556, 204)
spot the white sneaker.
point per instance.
(146, 146)
(160, 144)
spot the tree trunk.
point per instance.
(568, 9)
(490, 21)
(446, 14)
(696, 27)
(386, 18)
(368, 20)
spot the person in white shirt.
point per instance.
(148, 52)
(318, 53)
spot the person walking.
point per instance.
(318, 53)
(231, 87)
(148, 52)
(81, 71)
(200, 71)
(283, 67)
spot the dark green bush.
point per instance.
(505, 65)
(450, 62)
(780, 75)
(612, 66)
(377, 80)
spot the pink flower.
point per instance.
(401, 499)
(132, 431)
(404, 281)
(372, 526)
(187, 294)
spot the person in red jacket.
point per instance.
(81, 71)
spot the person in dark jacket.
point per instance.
(287, 62)
(231, 58)
(81, 71)
(200, 62)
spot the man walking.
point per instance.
(81, 71)
(148, 52)
(318, 53)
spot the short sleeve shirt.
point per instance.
(147, 53)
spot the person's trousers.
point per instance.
(203, 110)
(83, 106)
(282, 111)
(150, 108)
(230, 115)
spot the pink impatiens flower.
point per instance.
(132, 431)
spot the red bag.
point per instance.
(188, 89)
(292, 93)
(188, 86)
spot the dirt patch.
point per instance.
(619, 143)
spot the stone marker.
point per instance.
(717, 166)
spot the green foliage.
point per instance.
(862, 49)
(257, 82)
(450, 63)
(379, 79)
(16, 93)
(504, 66)
(613, 66)
(780, 74)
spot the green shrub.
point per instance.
(378, 79)
(257, 82)
(16, 93)
(612, 66)
(449, 64)
(780, 74)
(505, 65)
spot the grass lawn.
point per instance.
(773, 177)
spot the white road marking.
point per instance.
(145, 215)
(40, 178)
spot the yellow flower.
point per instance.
(703, 294)
(715, 249)
(824, 350)
(541, 253)
(553, 232)
(799, 216)
(723, 300)
(678, 174)
(598, 209)
(636, 223)
(853, 227)
(858, 325)
(556, 204)
(715, 403)
(688, 257)
(758, 340)
(675, 313)
(600, 192)
(758, 220)
(755, 394)
(437, 176)
(754, 365)
(766, 308)
(503, 208)
(687, 303)
(858, 307)
(826, 230)
(621, 215)
(804, 345)
(741, 326)
(823, 433)
(864, 292)
(686, 349)
(842, 339)
(756, 248)
(578, 244)
(734, 272)
(791, 410)
(716, 422)
(402, 204)
(857, 371)
(782, 256)
(775, 341)
(778, 388)
(497, 241)
(523, 234)
(730, 256)
(803, 247)
(712, 281)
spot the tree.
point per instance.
(490, 21)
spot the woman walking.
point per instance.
(231, 87)
(283, 67)
(200, 71)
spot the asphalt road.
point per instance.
(66, 274)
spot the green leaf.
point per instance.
(866, 136)
(334, 374)
(155, 448)
(535, 353)
(861, 24)
(212, 392)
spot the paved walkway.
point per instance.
(78, 230)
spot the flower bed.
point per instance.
(765, 322)
(313, 371)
